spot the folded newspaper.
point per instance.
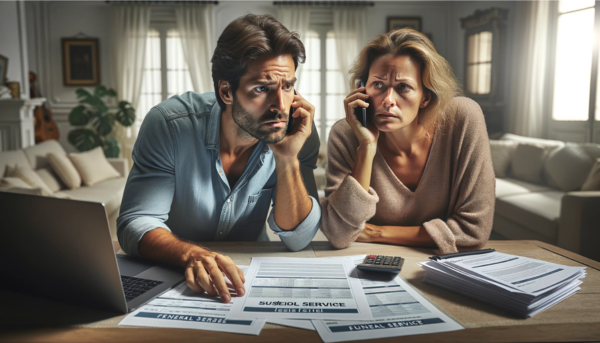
(521, 285)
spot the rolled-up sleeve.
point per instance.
(299, 238)
(151, 183)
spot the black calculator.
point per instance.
(382, 263)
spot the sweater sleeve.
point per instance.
(471, 209)
(347, 206)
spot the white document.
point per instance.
(521, 285)
(181, 308)
(520, 273)
(294, 323)
(301, 288)
(397, 309)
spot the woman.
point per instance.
(420, 173)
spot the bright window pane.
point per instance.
(572, 5)
(178, 74)
(479, 67)
(598, 93)
(151, 80)
(573, 65)
(335, 90)
(309, 80)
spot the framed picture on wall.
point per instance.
(81, 65)
(3, 69)
(395, 23)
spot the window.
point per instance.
(573, 61)
(166, 72)
(479, 63)
(321, 80)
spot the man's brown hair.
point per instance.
(246, 39)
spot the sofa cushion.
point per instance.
(50, 179)
(38, 154)
(527, 163)
(12, 158)
(568, 167)
(63, 166)
(544, 143)
(502, 154)
(592, 181)
(592, 149)
(93, 166)
(29, 176)
(510, 186)
(537, 211)
(9, 182)
(109, 192)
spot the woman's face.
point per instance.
(395, 92)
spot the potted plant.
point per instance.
(94, 120)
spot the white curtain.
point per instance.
(195, 26)
(527, 111)
(295, 18)
(349, 27)
(130, 28)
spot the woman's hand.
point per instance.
(371, 233)
(367, 136)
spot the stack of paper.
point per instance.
(518, 284)
(326, 294)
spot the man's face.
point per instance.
(262, 101)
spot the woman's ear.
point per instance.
(225, 92)
(426, 99)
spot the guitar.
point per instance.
(45, 127)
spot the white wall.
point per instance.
(49, 21)
(13, 43)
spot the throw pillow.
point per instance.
(93, 166)
(50, 179)
(592, 183)
(29, 176)
(10, 182)
(527, 163)
(568, 167)
(30, 191)
(502, 154)
(65, 169)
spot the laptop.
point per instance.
(61, 248)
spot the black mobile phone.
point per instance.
(291, 120)
(361, 112)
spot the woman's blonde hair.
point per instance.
(436, 74)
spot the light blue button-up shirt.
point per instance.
(177, 181)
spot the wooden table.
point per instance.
(575, 319)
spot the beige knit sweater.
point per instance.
(454, 199)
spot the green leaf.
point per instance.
(79, 116)
(92, 100)
(84, 139)
(104, 124)
(111, 92)
(100, 91)
(111, 148)
(82, 93)
(126, 114)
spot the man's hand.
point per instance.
(204, 273)
(290, 146)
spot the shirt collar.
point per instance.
(212, 129)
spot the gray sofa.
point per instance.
(538, 196)
(109, 192)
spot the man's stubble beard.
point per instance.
(249, 127)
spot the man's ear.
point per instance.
(426, 99)
(225, 92)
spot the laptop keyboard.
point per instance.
(134, 287)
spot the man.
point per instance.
(206, 166)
